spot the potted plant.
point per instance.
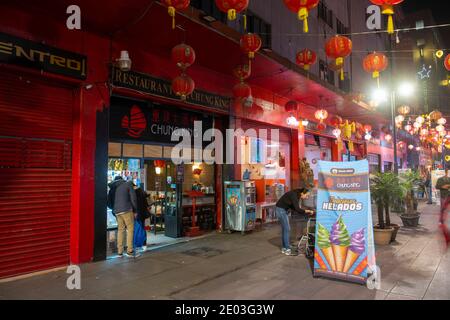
(408, 180)
(384, 189)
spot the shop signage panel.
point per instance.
(25, 53)
(344, 231)
(163, 88)
(146, 122)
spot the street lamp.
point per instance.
(381, 95)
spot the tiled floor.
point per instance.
(223, 266)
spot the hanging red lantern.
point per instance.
(302, 8)
(336, 121)
(291, 106)
(183, 86)
(375, 63)
(447, 62)
(306, 58)
(242, 72)
(339, 47)
(183, 55)
(387, 7)
(232, 7)
(242, 91)
(174, 5)
(321, 126)
(250, 44)
(321, 115)
(367, 128)
(159, 163)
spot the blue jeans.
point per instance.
(282, 216)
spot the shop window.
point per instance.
(323, 70)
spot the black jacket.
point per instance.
(290, 200)
(142, 204)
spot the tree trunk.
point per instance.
(387, 211)
(409, 203)
(380, 214)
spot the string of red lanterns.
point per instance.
(184, 57)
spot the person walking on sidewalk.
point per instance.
(443, 185)
(122, 201)
(428, 188)
(290, 201)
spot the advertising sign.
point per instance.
(344, 230)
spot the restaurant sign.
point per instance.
(22, 52)
(163, 88)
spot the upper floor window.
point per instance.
(340, 27)
(210, 9)
(325, 14)
(257, 25)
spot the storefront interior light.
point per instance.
(305, 122)
(158, 170)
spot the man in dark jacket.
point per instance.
(122, 200)
(290, 201)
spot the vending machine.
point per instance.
(240, 206)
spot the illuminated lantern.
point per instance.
(410, 147)
(336, 121)
(339, 47)
(306, 58)
(242, 72)
(321, 115)
(291, 106)
(250, 44)
(292, 121)
(417, 125)
(183, 55)
(347, 130)
(174, 5)
(404, 110)
(420, 120)
(388, 138)
(368, 136)
(375, 63)
(447, 62)
(183, 86)
(367, 128)
(242, 91)
(302, 8)
(159, 163)
(435, 115)
(321, 126)
(440, 128)
(442, 121)
(399, 119)
(424, 132)
(232, 7)
(408, 127)
(387, 7)
(337, 133)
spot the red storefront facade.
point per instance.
(71, 118)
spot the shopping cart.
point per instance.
(307, 241)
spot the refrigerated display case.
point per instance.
(240, 206)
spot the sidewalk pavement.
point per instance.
(224, 266)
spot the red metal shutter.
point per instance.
(36, 173)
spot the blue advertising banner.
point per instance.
(344, 246)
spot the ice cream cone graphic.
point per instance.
(323, 242)
(357, 247)
(340, 241)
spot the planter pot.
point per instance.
(383, 236)
(394, 234)
(410, 220)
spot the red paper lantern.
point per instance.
(306, 58)
(183, 55)
(159, 163)
(447, 62)
(291, 106)
(387, 7)
(242, 91)
(250, 44)
(367, 128)
(174, 5)
(232, 7)
(375, 63)
(242, 72)
(321, 126)
(321, 115)
(302, 8)
(336, 121)
(183, 86)
(339, 47)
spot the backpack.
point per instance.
(111, 198)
